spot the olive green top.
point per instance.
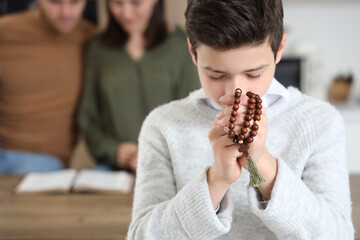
(119, 92)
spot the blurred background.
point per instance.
(322, 58)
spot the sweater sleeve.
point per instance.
(162, 212)
(101, 146)
(318, 205)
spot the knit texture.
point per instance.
(310, 198)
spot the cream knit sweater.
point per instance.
(310, 198)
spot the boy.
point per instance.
(192, 182)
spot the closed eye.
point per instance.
(217, 78)
(254, 77)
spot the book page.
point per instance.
(57, 181)
(104, 181)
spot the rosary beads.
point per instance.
(247, 131)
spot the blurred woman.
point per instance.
(136, 65)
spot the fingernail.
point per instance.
(220, 99)
(218, 123)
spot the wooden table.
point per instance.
(83, 216)
(69, 216)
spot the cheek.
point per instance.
(214, 89)
(262, 85)
(79, 11)
(145, 12)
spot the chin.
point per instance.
(65, 30)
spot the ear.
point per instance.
(281, 49)
(192, 52)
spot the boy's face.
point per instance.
(248, 68)
(63, 15)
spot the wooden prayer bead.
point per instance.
(234, 113)
(246, 124)
(244, 130)
(252, 100)
(258, 112)
(257, 117)
(251, 106)
(259, 100)
(253, 133)
(249, 139)
(236, 107)
(237, 95)
(241, 137)
(248, 118)
(231, 134)
(258, 106)
(231, 126)
(255, 127)
(236, 100)
(250, 111)
(232, 119)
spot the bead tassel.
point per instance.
(255, 177)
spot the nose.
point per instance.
(234, 83)
(65, 9)
(128, 11)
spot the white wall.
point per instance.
(332, 26)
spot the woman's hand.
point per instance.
(127, 155)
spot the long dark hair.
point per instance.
(155, 34)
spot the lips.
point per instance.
(65, 21)
(129, 22)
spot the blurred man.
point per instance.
(41, 53)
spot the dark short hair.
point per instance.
(156, 32)
(229, 24)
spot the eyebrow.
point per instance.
(248, 70)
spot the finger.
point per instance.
(228, 99)
(214, 124)
(230, 147)
(237, 129)
(216, 132)
(225, 121)
(227, 111)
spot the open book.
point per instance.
(77, 181)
